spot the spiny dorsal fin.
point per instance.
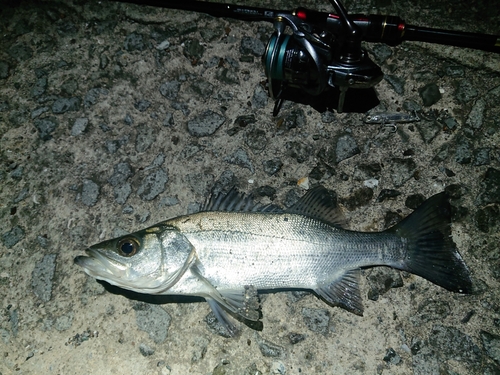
(320, 203)
(234, 201)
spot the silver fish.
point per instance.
(232, 249)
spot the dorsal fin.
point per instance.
(234, 201)
(320, 203)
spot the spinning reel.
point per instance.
(312, 59)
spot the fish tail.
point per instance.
(431, 252)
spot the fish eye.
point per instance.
(128, 247)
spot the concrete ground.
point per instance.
(114, 117)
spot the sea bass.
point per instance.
(233, 248)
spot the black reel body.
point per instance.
(312, 61)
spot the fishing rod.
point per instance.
(316, 56)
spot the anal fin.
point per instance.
(343, 292)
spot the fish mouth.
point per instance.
(114, 272)
(99, 266)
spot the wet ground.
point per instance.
(114, 117)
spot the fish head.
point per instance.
(148, 261)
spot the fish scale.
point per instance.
(282, 250)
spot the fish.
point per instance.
(233, 249)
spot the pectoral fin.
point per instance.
(343, 292)
(242, 302)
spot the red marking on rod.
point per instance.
(302, 15)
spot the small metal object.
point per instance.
(385, 118)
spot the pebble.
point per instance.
(402, 170)
(42, 277)
(145, 137)
(79, 126)
(491, 343)
(316, 320)
(241, 159)
(170, 89)
(205, 124)
(430, 94)
(153, 320)
(121, 172)
(92, 96)
(90, 193)
(122, 192)
(259, 98)
(63, 105)
(46, 127)
(397, 83)
(272, 166)
(12, 237)
(134, 42)
(39, 87)
(489, 191)
(153, 185)
(252, 46)
(269, 349)
(381, 280)
(476, 115)
(346, 147)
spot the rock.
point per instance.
(451, 343)
(153, 320)
(90, 193)
(4, 69)
(489, 188)
(241, 159)
(269, 349)
(430, 94)
(42, 277)
(397, 83)
(316, 320)
(134, 42)
(252, 46)
(491, 344)
(272, 166)
(46, 127)
(402, 170)
(465, 91)
(63, 105)
(12, 237)
(145, 137)
(153, 185)
(39, 87)
(79, 126)
(193, 50)
(476, 115)
(256, 140)
(346, 147)
(360, 197)
(382, 279)
(170, 89)
(259, 98)
(121, 172)
(93, 95)
(205, 124)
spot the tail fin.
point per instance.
(431, 252)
